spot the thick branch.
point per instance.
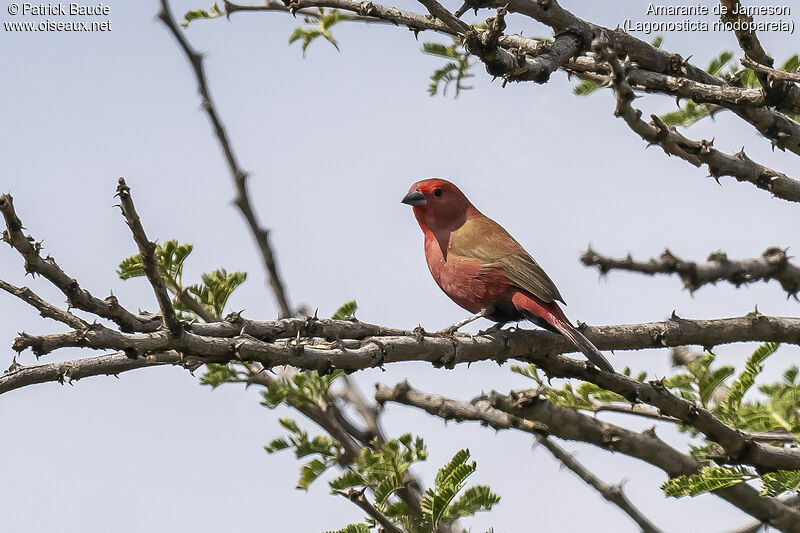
(665, 71)
(352, 351)
(147, 250)
(773, 264)
(537, 347)
(76, 296)
(242, 200)
(782, 130)
(536, 415)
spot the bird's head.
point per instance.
(438, 204)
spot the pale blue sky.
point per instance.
(333, 142)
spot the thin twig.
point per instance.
(149, 263)
(612, 493)
(77, 296)
(242, 199)
(46, 309)
(358, 498)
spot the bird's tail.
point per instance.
(549, 313)
(584, 345)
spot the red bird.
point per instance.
(483, 269)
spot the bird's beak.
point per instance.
(414, 197)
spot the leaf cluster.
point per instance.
(454, 72)
(384, 472)
(585, 396)
(326, 451)
(702, 382)
(319, 26)
(716, 477)
(211, 293)
(196, 14)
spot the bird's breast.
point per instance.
(466, 280)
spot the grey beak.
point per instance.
(414, 198)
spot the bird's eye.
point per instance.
(437, 192)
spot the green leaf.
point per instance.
(455, 71)
(449, 481)
(387, 486)
(775, 483)
(214, 291)
(459, 459)
(474, 499)
(657, 42)
(169, 257)
(217, 374)
(529, 371)
(439, 49)
(277, 445)
(728, 410)
(586, 87)
(748, 78)
(791, 64)
(712, 381)
(324, 22)
(195, 14)
(289, 424)
(718, 63)
(310, 472)
(709, 478)
(350, 478)
(346, 310)
(687, 115)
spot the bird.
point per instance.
(482, 268)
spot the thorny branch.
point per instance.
(612, 493)
(358, 498)
(149, 262)
(242, 200)
(331, 418)
(697, 153)
(773, 264)
(530, 413)
(230, 340)
(325, 345)
(660, 70)
(77, 296)
(777, 74)
(515, 58)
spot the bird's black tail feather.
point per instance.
(585, 346)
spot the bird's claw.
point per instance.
(496, 328)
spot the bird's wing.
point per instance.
(483, 239)
(525, 273)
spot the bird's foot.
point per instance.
(492, 330)
(448, 331)
(461, 323)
